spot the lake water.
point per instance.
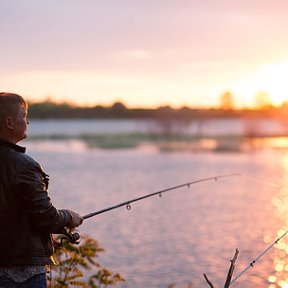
(186, 232)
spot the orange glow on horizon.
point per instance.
(148, 90)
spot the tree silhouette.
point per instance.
(262, 100)
(227, 101)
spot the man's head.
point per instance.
(13, 117)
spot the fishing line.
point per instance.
(264, 182)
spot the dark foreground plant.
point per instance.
(72, 260)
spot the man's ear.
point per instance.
(9, 123)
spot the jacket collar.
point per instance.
(13, 146)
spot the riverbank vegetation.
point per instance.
(74, 261)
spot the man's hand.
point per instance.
(75, 221)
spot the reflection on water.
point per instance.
(269, 142)
(57, 145)
(177, 238)
(280, 276)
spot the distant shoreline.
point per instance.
(50, 110)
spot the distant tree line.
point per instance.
(263, 107)
(49, 109)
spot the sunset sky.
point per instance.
(144, 52)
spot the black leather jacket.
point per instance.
(27, 217)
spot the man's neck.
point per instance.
(14, 146)
(8, 138)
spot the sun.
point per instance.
(270, 79)
(274, 80)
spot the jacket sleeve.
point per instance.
(33, 194)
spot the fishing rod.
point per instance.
(159, 193)
(74, 237)
(252, 263)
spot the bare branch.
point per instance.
(231, 269)
(207, 280)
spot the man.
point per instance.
(27, 217)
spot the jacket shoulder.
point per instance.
(19, 161)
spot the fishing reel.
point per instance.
(72, 236)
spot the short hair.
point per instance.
(10, 103)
